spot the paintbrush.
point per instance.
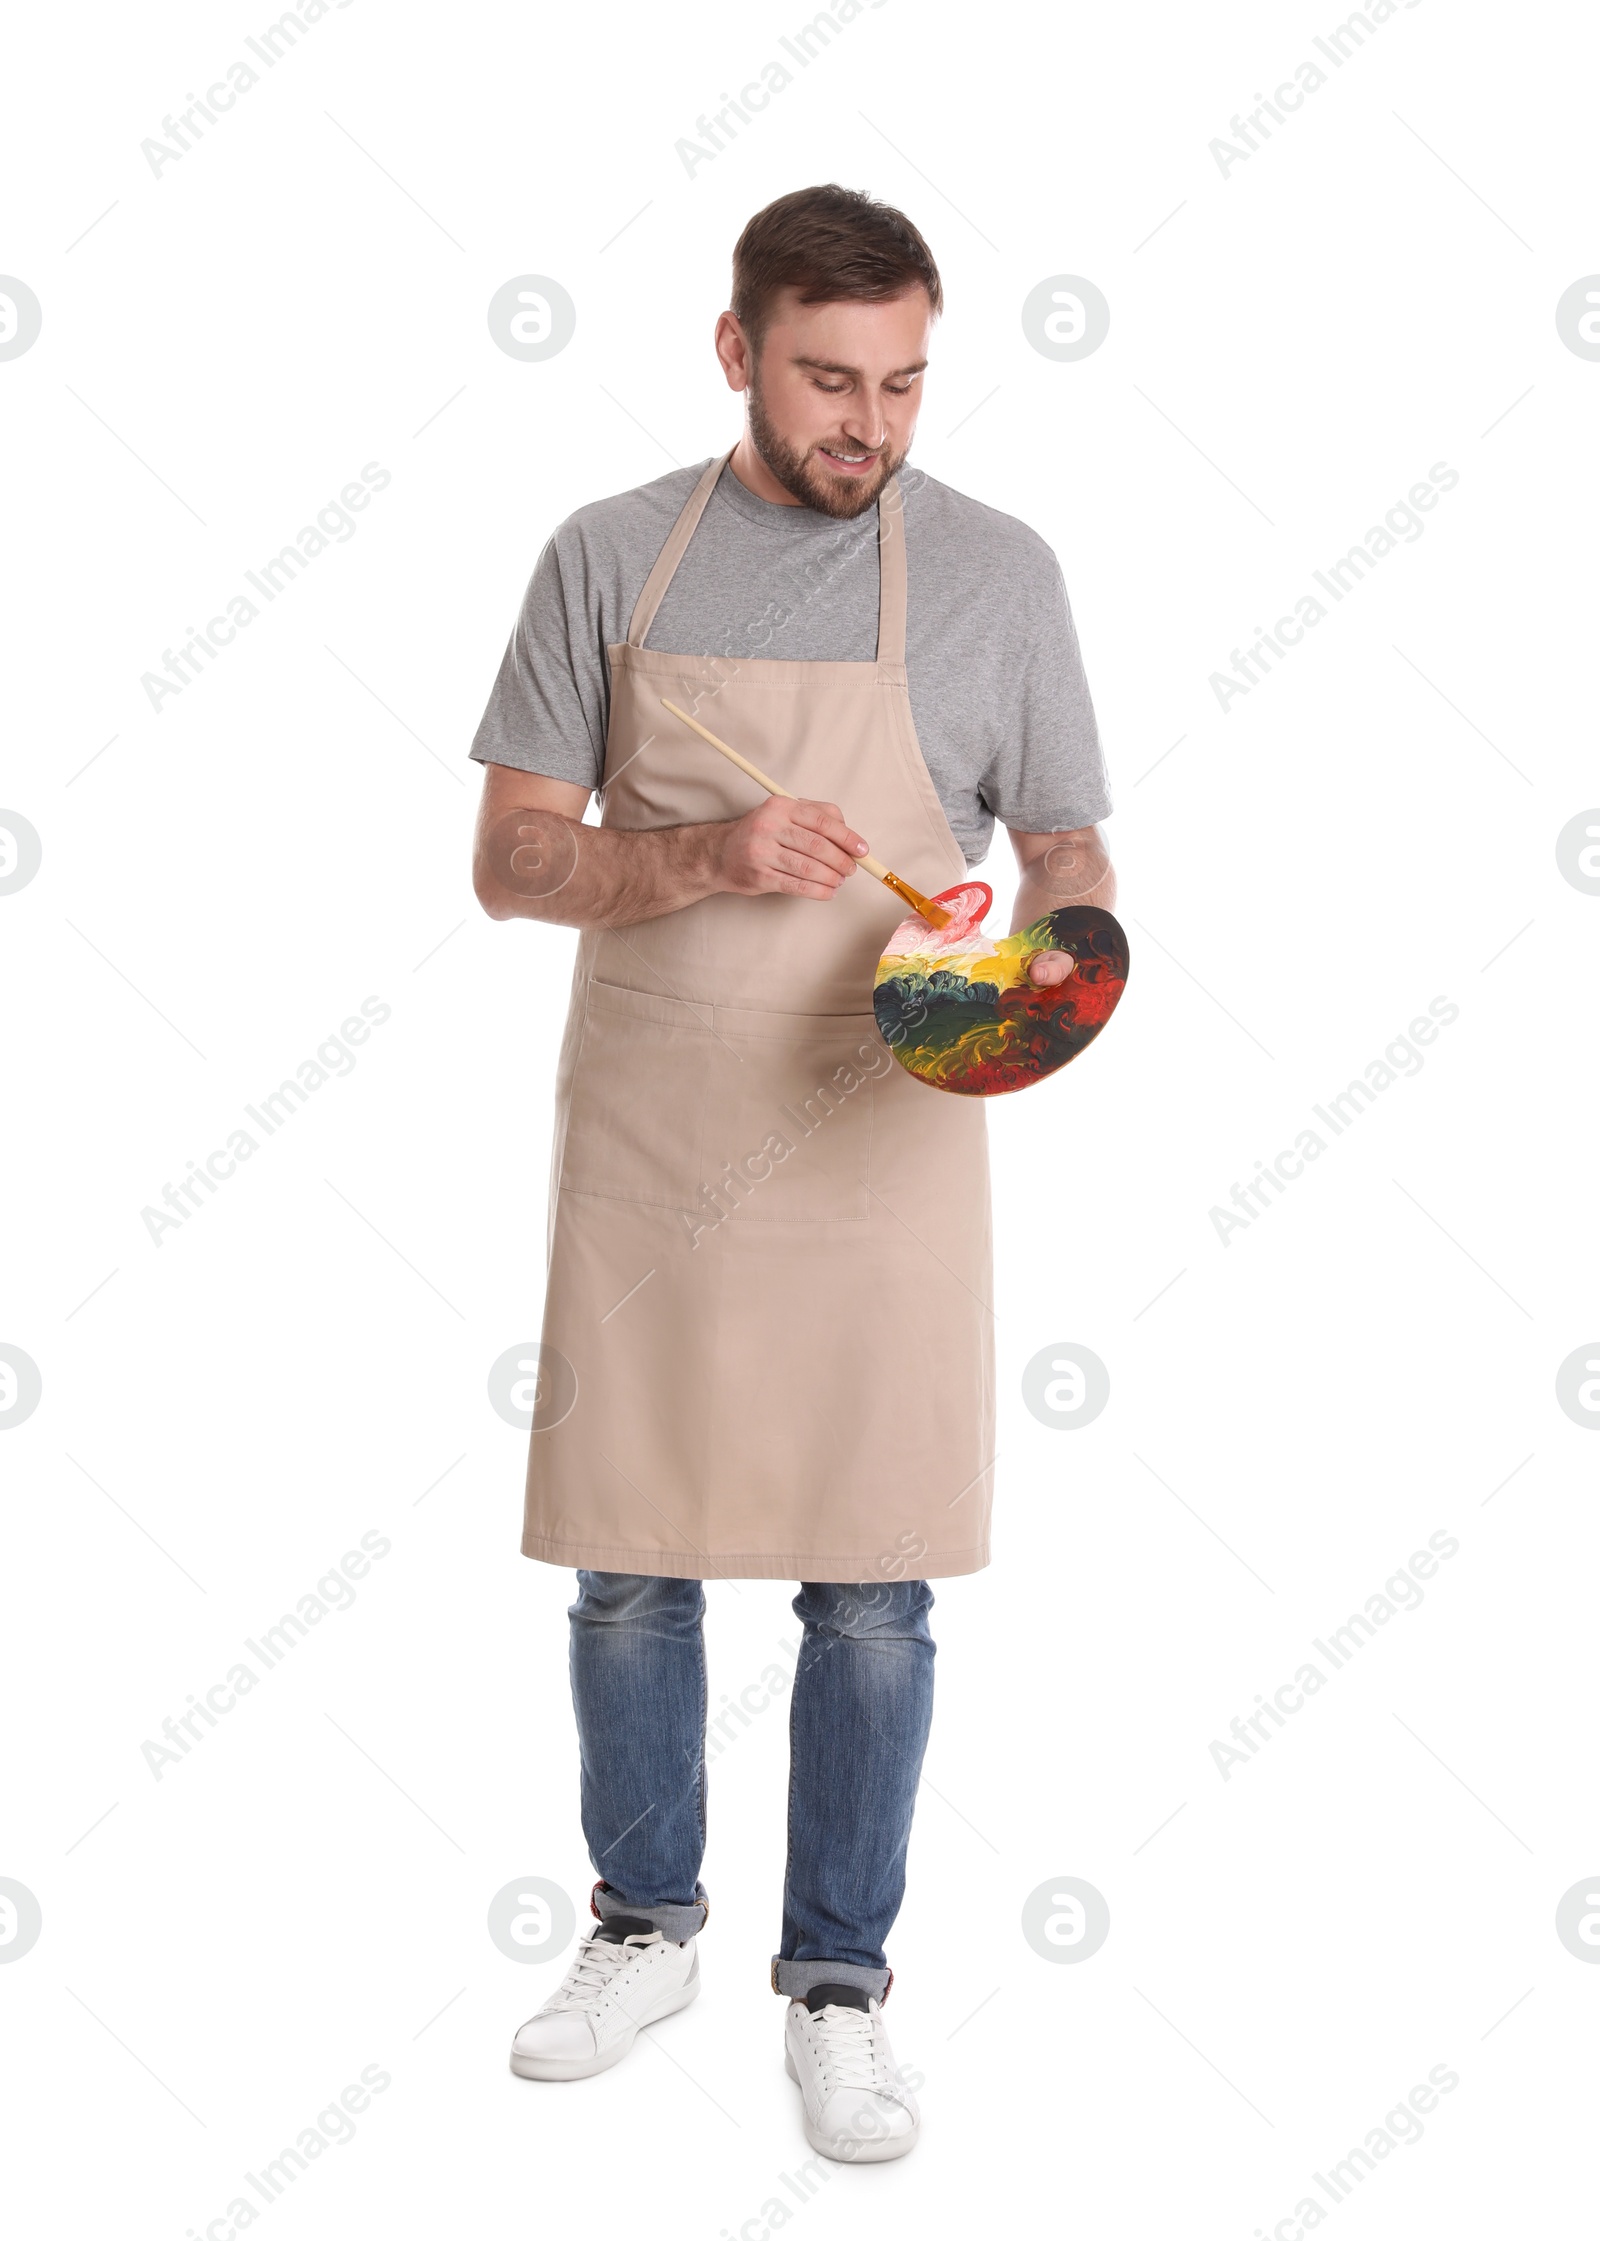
(932, 912)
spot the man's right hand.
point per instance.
(786, 847)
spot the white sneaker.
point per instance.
(856, 2109)
(625, 1976)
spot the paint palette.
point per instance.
(959, 1011)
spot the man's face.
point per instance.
(833, 399)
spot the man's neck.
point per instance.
(757, 477)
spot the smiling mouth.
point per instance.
(852, 461)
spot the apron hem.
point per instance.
(650, 1564)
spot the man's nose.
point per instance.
(864, 424)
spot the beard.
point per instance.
(810, 479)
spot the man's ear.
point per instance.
(733, 351)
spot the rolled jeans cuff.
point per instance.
(676, 1921)
(796, 1978)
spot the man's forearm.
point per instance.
(1074, 868)
(535, 863)
(537, 859)
(1037, 898)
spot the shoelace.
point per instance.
(596, 1965)
(851, 2047)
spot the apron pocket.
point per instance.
(639, 1092)
(787, 1134)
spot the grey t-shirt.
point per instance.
(998, 694)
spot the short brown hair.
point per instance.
(832, 245)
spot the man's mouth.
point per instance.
(849, 462)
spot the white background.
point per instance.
(1292, 1413)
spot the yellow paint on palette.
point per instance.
(961, 946)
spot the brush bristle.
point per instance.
(932, 912)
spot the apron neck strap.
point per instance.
(891, 564)
(892, 575)
(655, 584)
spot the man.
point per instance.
(767, 1337)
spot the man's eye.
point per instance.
(833, 388)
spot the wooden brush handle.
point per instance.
(722, 747)
(867, 863)
(896, 885)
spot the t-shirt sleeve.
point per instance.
(547, 712)
(1046, 773)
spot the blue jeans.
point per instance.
(858, 1725)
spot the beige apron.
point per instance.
(769, 1245)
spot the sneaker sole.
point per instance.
(553, 2070)
(863, 2151)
